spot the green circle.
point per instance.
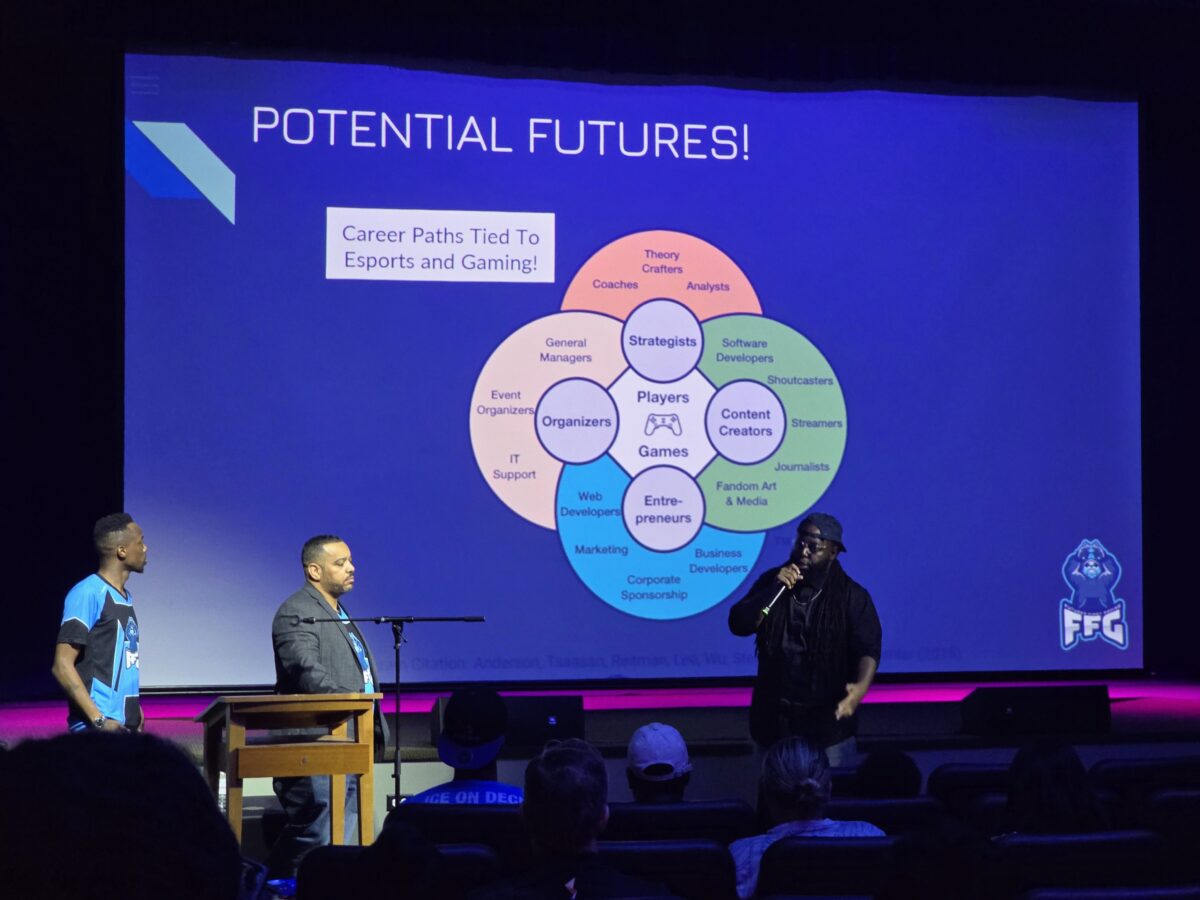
(793, 478)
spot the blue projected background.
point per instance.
(576, 357)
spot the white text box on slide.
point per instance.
(438, 245)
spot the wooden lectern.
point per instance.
(335, 754)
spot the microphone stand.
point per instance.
(398, 638)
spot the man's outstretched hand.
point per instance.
(854, 695)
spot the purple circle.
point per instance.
(663, 508)
(576, 420)
(662, 340)
(745, 421)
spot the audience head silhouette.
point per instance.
(104, 815)
(566, 798)
(887, 773)
(1049, 791)
(795, 780)
(657, 765)
(473, 730)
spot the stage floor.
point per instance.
(1142, 710)
(1149, 719)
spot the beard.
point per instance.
(812, 568)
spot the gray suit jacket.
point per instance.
(317, 657)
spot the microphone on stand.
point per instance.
(384, 620)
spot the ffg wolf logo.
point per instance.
(1092, 611)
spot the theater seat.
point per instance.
(1174, 811)
(467, 866)
(1100, 859)
(989, 812)
(499, 827)
(894, 815)
(957, 785)
(844, 780)
(694, 870)
(1146, 774)
(337, 872)
(1135, 779)
(830, 866)
(1175, 814)
(326, 871)
(722, 821)
(1185, 892)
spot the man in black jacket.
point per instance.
(818, 640)
(327, 656)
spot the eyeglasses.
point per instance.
(812, 545)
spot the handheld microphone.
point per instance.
(765, 611)
(783, 589)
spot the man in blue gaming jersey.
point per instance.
(96, 658)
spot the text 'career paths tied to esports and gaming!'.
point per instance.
(439, 245)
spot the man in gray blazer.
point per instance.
(322, 657)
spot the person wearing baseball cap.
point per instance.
(473, 730)
(657, 765)
(818, 640)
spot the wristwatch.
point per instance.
(99, 721)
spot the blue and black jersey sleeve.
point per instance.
(81, 610)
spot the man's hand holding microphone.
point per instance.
(789, 576)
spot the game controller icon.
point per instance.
(655, 421)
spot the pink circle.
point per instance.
(647, 264)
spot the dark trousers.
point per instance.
(305, 801)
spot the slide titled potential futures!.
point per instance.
(577, 356)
